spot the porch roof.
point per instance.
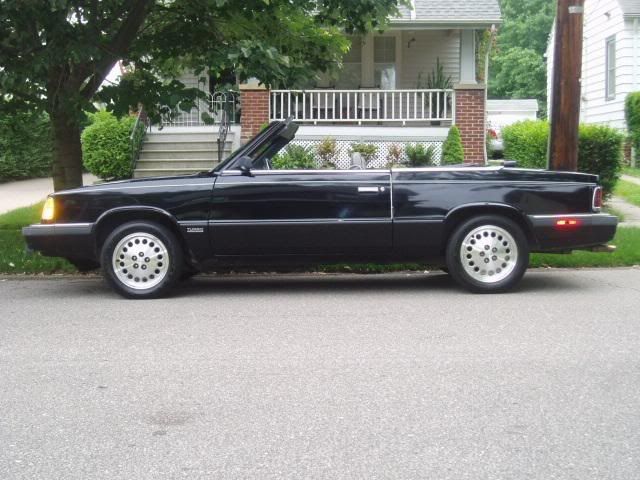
(452, 13)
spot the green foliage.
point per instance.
(106, 146)
(518, 66)
(519, 73)
(327, 150)
(436, 80)
(599, 151)
(25, 146)
(452, 149)
(55, 55)
(527, 143)
(419, 155)
(295, 157)
(632, 115)
(367, 150)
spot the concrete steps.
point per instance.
(166, 153)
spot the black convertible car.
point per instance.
(480, 223)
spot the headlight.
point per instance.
(48, 211)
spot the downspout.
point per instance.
(494, 31)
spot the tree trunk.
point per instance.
(67, 160)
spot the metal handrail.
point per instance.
(223, 130)
(136, 138)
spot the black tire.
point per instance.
(499, 269)
(161, 273)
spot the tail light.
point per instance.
(597, 199)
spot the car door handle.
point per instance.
(371, 189)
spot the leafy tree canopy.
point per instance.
(518, 63)
(55, 54)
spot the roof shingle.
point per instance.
(452, 11)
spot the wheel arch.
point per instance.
(111, 219)
(464, 212)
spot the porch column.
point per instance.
(468, 57)
(254, 102)
(470, 119)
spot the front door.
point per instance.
(317, 212)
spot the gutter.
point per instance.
(445, 23)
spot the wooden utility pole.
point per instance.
(565, 93)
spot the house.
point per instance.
(610, 62)
(381, 95)
(502, 113)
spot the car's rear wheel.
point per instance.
(488, 254)
(141, 260)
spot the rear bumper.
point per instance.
(592, 230)
(68, 240)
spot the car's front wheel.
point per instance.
(488, 254)
(141, 260)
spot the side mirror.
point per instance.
(245, 164)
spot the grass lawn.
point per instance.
(634, 172)
(14, 259)
(628, 191)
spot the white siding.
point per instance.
(420, 56)
(604, 19)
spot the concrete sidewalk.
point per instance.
(27, 192)
(630, 179)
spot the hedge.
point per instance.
(632, 116)
(599, 150)
(106, 146)
(26, 146)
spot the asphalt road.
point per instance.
(401, 377)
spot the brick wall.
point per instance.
(255, 111)
(470, 119)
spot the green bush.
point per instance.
(599, 150)
(26, 146)
(295, 157)
(452, 149)
(527, 143)
(106, 146)
(419, 155)
(632, 115)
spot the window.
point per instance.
(352, 66)
(384, 57)
(610, 67)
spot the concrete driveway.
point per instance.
(27, 192)
(324, 377)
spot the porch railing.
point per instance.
(214, 104)
(362, 106)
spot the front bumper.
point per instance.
(68, 240)
(592, 230)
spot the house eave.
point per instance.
(444, 23)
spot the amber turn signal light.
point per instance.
(48, 211)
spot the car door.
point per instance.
(299, 212)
